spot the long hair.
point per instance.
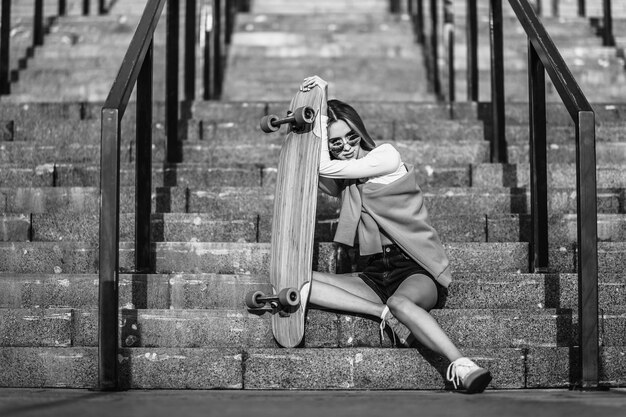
(338, 110)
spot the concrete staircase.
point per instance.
(185, 326)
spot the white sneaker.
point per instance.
(399, 330)
(465, 373)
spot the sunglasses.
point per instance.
(337, 145)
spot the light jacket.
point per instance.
(398, 209)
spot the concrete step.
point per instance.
(222, 257)
(241, 201)
(55, 131)
(607, 153)
(202, 227)
(96, 91)
(391, 80)
(252, 258)
(606, 132)
(33, 113)
(573, 62)
(323, 6)
(319, 368)
(198, 175)
(241, 112)
(470, 290)
(374, 111)
(111, 62)
(230, 257)
(606, 112)
(190, 328)
(559, 175)
(290, 46)
(516, 89)
(444, 153)
(380, 130)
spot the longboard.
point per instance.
(293, 223)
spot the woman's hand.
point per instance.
(310, 82)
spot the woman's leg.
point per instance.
(345, 292)
(410, 305)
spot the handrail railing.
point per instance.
(136, 69)
(544, 57)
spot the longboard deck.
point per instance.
(293, 224)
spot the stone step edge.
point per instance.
(325, 368)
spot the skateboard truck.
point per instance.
(299, 119)
(285, 302)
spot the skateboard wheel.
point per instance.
(268, 123)
(289, 297)
(304, 115)
(252, 299)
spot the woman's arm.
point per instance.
(382, 160)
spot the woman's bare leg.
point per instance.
(344, 292)
(410, 305)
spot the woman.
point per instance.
(407, 272)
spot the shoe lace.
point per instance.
(383, 324)
(456, 371)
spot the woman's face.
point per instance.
(343, 142)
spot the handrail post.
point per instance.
(38, 24)
(134, 74)
(434, 47)
(207, 72)
(394, 6)
(419, 21)
(217, 49)
(171, 80)
(498, 140)
(472, 50)
(582, 8)
(5, 49)
(108, 259)
(448, 33)
(607, 30)
(587, 261)
(190, 50)
(538, 168)
(229, 23)
(143, 165)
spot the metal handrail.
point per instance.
(136, 69)
(544, 57)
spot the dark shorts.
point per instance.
(384, 272)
